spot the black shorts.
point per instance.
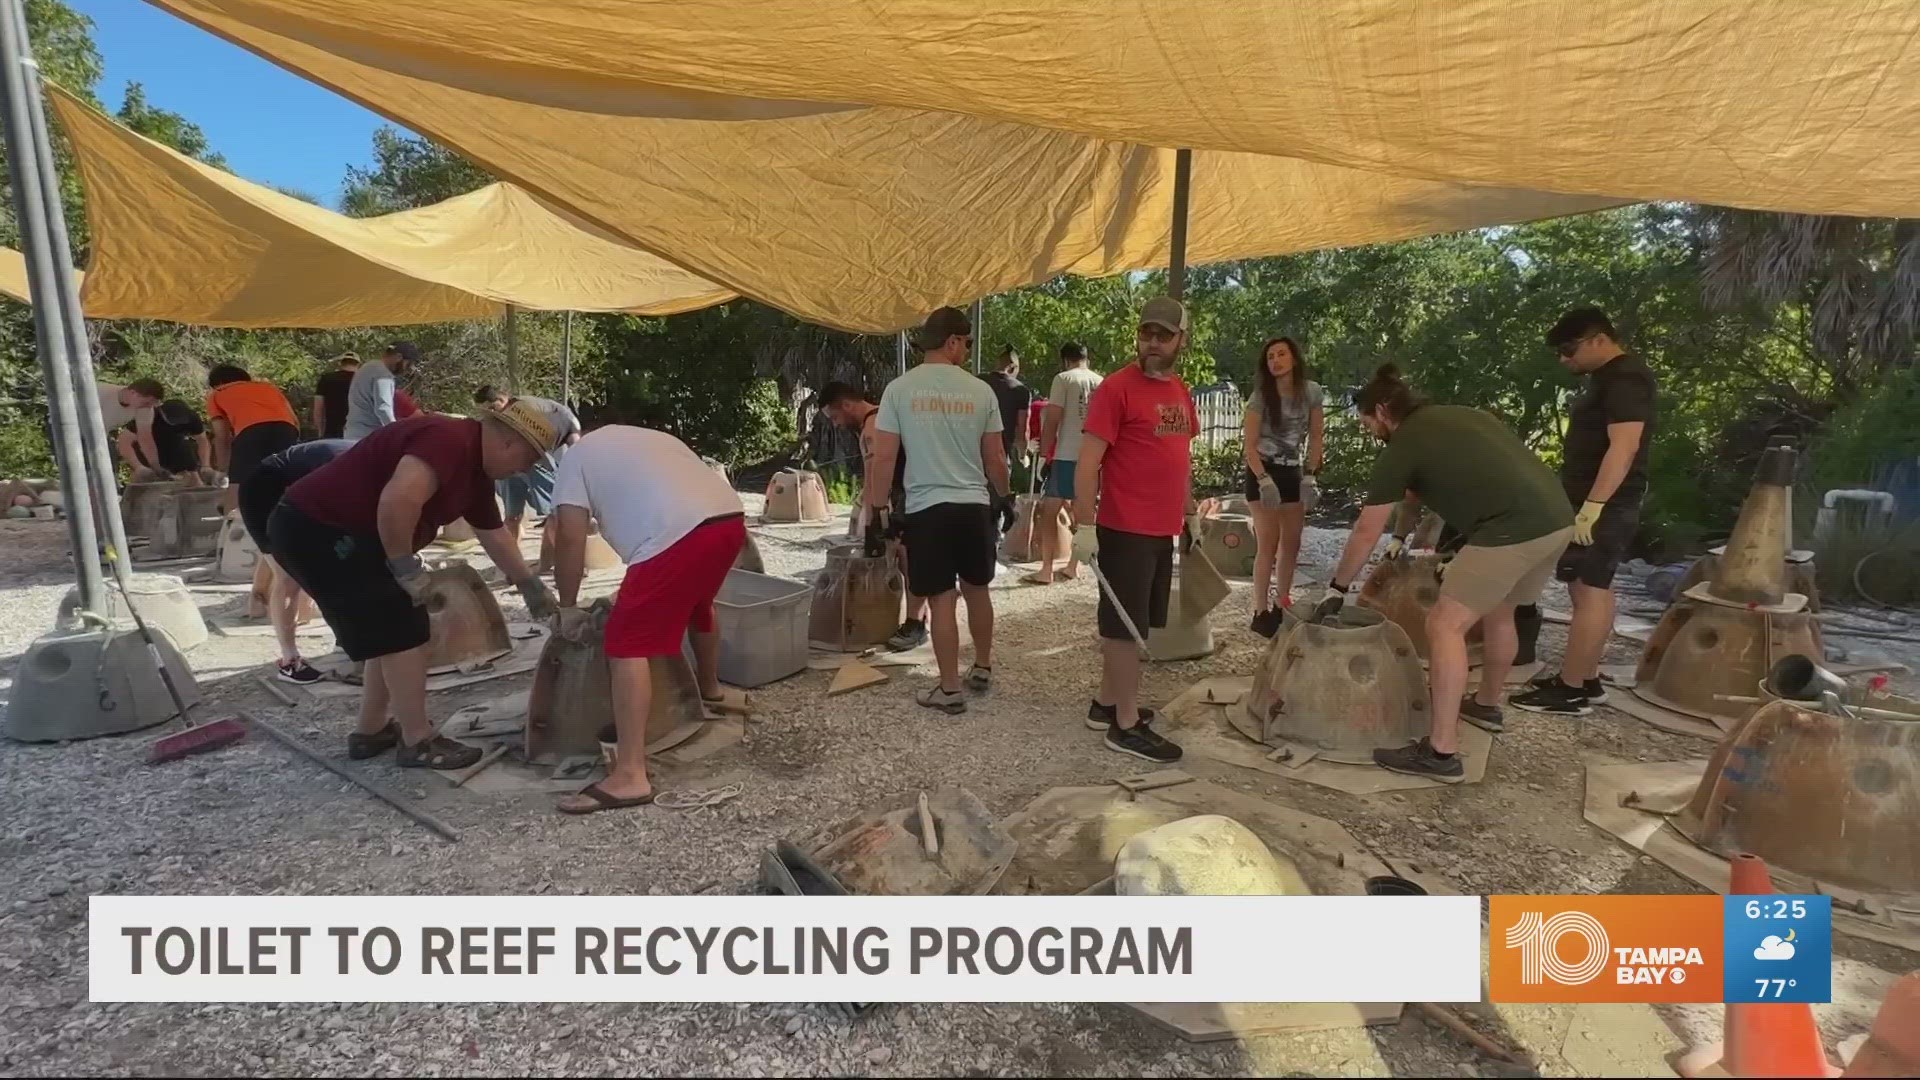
(1612, 535)
(949, 543)
(347, 576)
(1139, 569)
(1285, 477)
(255, 445)
(258, 496)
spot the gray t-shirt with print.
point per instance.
(1284, 440)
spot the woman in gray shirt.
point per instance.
(1285, 422)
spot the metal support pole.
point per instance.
(1182, 180)
(900, 350)
(96, 453)
(979, 331)
(566, 360)
(32, 174)
(513, 350)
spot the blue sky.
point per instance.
(273, 126)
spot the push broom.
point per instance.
(197, 738)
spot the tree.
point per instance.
(407, 172)
(165, 126)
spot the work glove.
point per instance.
(1086, 543)
(876, 535)
(412, 575)
(1309, 493)
(540, 600)
(1328, 609)
(572, 623)
(1269, 492)
(1396, 549)
(1003, 507)
(1585, 520)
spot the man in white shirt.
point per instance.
(678, 527)
(948, 424)
(1060, 427)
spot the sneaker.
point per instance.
(1267, 623)
(1101, 717)
(979, 679)
(1484, 717)
(951, 702)
(911, 635)
(298, 671)
(361, 747)
(1594, 689)
(1142, 742)
(1419, 759)
(1556, 700)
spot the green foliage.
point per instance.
(166, 126)
(1871, 431)
(407, 172)
(694, 376)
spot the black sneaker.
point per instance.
(1594, 689)
(1484, 717)
(1556, 700)
(297, 671)
(1101, 717)
(1419, 759)
(1142, 742)
(911, 635)
(1267, 623)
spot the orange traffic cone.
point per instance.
(1761, 1039)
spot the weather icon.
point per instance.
(1775, 947)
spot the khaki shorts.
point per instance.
(1484, 578)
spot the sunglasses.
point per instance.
(1568, 348)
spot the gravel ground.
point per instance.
(88, 818)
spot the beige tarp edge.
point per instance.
(13, 276)
(1798, 105)
(865, 219)
(177, 239)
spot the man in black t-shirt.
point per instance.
(1604, 470)
(1015, 398)
(330, 397)
(166, 438)
(850, 409)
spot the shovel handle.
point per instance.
(1093, 564)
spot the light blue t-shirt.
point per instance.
(940, 413)
(369, 400)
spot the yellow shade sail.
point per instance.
(177, 239)
(853, 214)
(13, 276)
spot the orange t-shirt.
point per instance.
(244, 404)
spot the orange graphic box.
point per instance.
(1607, 948)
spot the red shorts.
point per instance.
(661, 598)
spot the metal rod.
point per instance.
(513, 350)
(566, 360)
(1182, 181)
(979, 331)
(369, 787)
(32, 172)
(900, 350)
(97, 454)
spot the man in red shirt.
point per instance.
(1140, 427)
(349, 531)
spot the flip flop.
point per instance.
(602, 800)
(1034, 579)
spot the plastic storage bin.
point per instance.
(763, 627)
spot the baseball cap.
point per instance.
(941, 325)
(559, 417)
(1165, 311)
(407, 351)
(526, 420)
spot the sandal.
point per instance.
(437, 752)
(1036, 579)
(980, 678)
(600, 799)
(360, 747)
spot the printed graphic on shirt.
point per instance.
(1173, 420)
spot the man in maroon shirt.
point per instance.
(1135, 454)
(349, 531)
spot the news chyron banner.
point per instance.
(1661, 948)
(961, 949)
(783, 949)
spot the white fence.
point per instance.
(1222, 413)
